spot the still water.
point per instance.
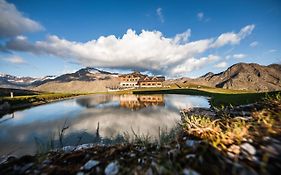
(115, 115)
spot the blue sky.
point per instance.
(172, 38)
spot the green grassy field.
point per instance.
(218, 97)
(23, 101)
(36, 98)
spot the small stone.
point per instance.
(231, 155)
(112, 168)
(191, 143)
(234, 149)
(90, 164)
(188, 171)
(248, 148)
(46, 162)
(68, 149)
(84, 146)
(188, 156)
(132, 155)
(80, 173)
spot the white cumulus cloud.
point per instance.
(232, 37)
(13, 23)
(144, 51)
(222, 64)
(239, 56)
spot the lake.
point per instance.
(114, 115)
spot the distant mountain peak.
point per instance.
(91, 70)
(207, 75)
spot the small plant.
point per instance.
(220, 132)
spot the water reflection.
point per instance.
(115, 114)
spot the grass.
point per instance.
(30, 99)
(219, 97)
(226, 131)
(26, 101)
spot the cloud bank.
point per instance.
(13, 23)
(145, 51)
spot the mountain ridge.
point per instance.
(240, 76)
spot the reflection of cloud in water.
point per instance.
(185, 101)
(114, 121)
(84, 113)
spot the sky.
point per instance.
(173, 38)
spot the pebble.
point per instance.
(84, 146)
(90, 164)
(188, 171)
(46, 162)
(188, 156)
(234, 149)
(68, 149)
(112, 168)
(80, 173)
(248, 148)
(191, 143)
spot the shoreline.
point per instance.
(8, 108)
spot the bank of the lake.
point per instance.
(11, 104)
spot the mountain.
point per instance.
(10, 81)
(241, 76)
(84, 80)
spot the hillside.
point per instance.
(241, 76)
(244, 76)
(84, 80)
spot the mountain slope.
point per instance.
(84, 80)
(243, 76)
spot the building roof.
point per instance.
(152, 79)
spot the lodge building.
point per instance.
(138, 80)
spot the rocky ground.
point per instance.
(228, 142)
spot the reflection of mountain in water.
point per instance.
(136, 102)
(95, 100)
(130, 101)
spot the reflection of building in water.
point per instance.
(141, 101)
